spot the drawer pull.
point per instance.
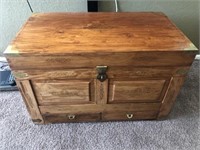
(71, 117)
(129, 116)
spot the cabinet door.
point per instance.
(139, 84)
(140, 90)
(60, 92)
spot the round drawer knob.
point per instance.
(129, 116)
(71, 117)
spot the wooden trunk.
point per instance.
(74, 67)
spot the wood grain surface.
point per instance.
(54, 58)
(126, 91)
(140, 59)
(91, 73)
(30, 101)
(93, 108)
(124, 115)
(52, 92)
(170, 96)
(72, 117)
(59, 33)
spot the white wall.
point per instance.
(184, 13)
(13, 13)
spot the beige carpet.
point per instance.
(179, 132)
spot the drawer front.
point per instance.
(127, 115)
(62, 118)
(50, 92)
(126, 91)
(93, 108)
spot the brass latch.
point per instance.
(102, 76)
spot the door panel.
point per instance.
(49, 92)
(151, 90)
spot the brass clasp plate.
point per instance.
(102, 76)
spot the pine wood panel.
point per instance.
(51, 74)
(98, 32)
(91, 73)
(127, 91)
(93, 108)
(128, 115)
(141, 59)
(64, 118)
(135, 72)
(51, 92)
(102, 92)
(30, 101)
(170, 96)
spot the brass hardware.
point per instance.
(71, 117)
(191, 47)
(102, 76)
(20, 74)
(129, 116)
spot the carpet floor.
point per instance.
(180, 131)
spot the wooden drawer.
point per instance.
(72, 117)
(128, 115)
